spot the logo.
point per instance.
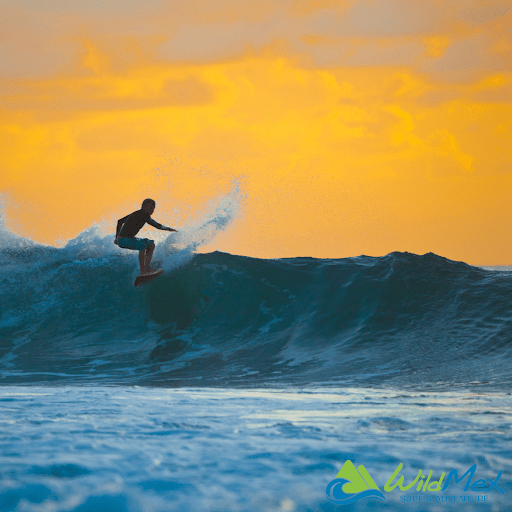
(353, 484)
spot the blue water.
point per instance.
(239, 384)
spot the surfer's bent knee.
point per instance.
(149, 245)
(136, 244)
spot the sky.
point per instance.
(333, 128)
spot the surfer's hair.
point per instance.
(147, 201)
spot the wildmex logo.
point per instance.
(353, 484)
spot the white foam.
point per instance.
(173, 249)
(179, 248)
(10, 240)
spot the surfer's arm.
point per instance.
(120, 223)
(157, 225)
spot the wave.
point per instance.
(72, 314)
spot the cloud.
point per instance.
(102, 90)
(464, 60)
(207, 43)
(389, 18)
(41, 38)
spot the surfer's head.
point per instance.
(148, 205)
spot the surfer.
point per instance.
(129, 226)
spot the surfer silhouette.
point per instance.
(129, 226)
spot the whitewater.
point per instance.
(233, 383)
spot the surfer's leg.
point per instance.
(149, 255)
(145, 256)
(142, 259)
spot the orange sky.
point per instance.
(340, 128)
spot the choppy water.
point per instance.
(189, 449)
(238, 384)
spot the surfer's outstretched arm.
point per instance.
(157, 225)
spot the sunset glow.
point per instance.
(346, 127)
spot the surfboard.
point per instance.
(147, 277)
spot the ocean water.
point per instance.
(240, 384)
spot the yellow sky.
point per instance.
(348, 127)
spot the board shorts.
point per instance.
(136, 244)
